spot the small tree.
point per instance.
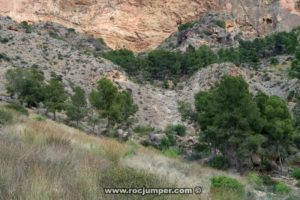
(56, 97)
(279, 126)
(115, 106)
(27, 84)
(77, 110)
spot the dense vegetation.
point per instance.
(165, 65)
(241, 125)
(29, 87)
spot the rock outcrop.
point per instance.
(142, 25)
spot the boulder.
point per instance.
(124, 135)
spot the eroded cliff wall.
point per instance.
(142, 25)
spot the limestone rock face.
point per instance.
(134, 24)
(142, 25)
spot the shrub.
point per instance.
(281, 188)
(4, 57)
(40, 118)
(101, 40)
(255, 180)
(54, 35)
(220, 23)
(274, 61)
(176, 130)
(296, 174)
(71, 30)
(164, 144)
(143, 130)
(173, 152)
(19, 108)
(291, 95)
(220, 184)
(26, 26)
(200, 151)
(183, 27)
(219, 162)
(4, 40)
(5, 117)
(185, 110)
(268, 181)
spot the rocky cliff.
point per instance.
(141, 25)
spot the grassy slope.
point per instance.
(42, 159)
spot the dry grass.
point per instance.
(47, 160)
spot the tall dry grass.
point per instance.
(42, 160)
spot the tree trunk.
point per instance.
(108, 124)
(279, 158)
(54, 115)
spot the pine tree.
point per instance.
(56, 97)
(115, 106)
(77, 109)
(27, 84)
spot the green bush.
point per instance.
(220, 23)
(183, 27)
(268, 181)
(26, 26)
(296, 174)
(5, 117)
(185, 109)
(219, 162)
(220, 184)
(40, 118)
(71, 30)
(291, 95)
(281, 188)
(255, 180)
(176, 130)
(54, 35)
(274, 61)
(4, 57)
(164, 144)
(173, 152)
(18, 107)
(4, 40)
(200, 151)
(143, 130)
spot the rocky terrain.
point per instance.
(52, 48)
(143, 25)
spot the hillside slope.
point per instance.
(48, 48)
(43, 159)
